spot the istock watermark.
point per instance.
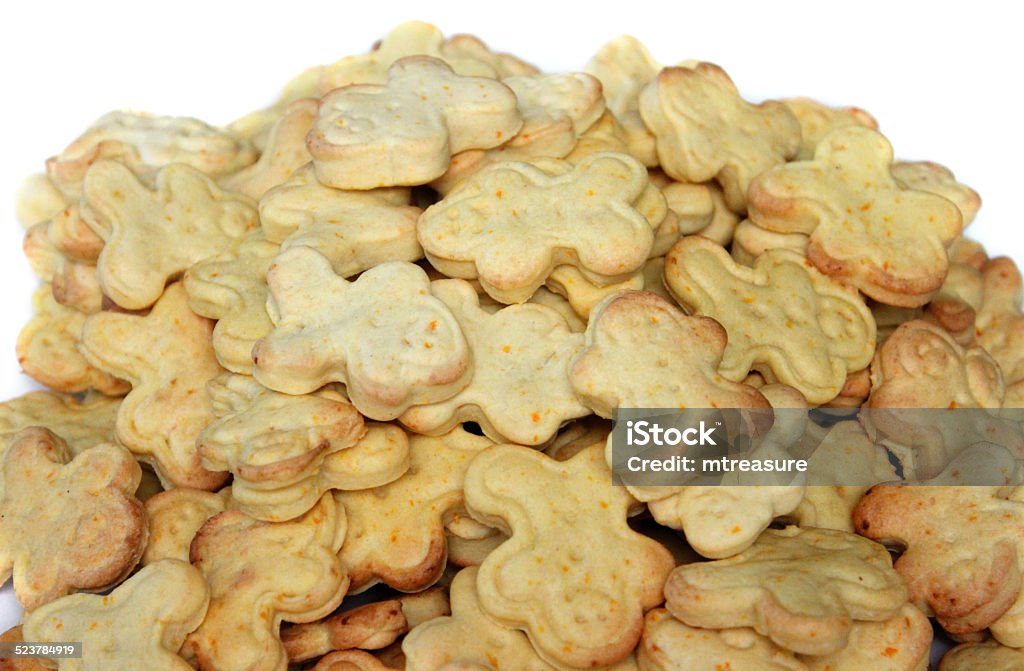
(862, 447)
(643, 432)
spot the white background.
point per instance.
(942, 78)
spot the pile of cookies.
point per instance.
(332, 386)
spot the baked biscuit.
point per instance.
(252, 591)
(69, 523)
(153, 236)
(865, 229)
(385, 335)
(781, 315)
(167, 357)
(511, 224)
(358, 142)
(140, 624)
(704, 130)
(520, 391)
(579, 608)
(803, 588)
